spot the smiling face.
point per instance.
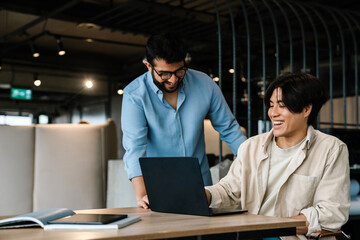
(160, 66)
(289, 128)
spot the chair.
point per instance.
(339, 235)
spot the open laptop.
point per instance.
(175, 185)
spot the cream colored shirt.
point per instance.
(316, 182)
(279, 161)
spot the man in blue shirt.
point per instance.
(163, 112)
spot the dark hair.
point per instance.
(167, 46)
(298, 91)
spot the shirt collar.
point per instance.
(309, 137)
(306, 144)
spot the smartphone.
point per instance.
(89, 218)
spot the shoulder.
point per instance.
(328, 144)
(256, 142)
(197, 77)
(199, 74)
(202, 82)
(137, 86)
(327, 140)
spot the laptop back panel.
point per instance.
(174, 185)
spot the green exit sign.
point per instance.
(20, 93)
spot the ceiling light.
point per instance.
(34, 50)
(120, 92)
(216, 79)
(60, 47)
(231, 70)
(89, 84)
(37, 81)
(88, 25)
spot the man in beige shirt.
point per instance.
(293, 170)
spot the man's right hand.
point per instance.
(140, 192)
(143, 202)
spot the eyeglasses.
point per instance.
(166, 75)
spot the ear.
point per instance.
(307, 110)
(147, 64)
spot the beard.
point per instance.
(161, 85)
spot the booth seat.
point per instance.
(55, 165)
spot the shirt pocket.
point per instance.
(300, 190)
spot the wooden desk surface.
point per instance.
(156, 225)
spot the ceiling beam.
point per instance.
(38, 20)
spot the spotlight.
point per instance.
(120, 92)
(60, 47)
(231, 70)
(37, 81)
(34, 50)
(216, 79)
(89, 84)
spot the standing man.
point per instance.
(294, 170)
(163, 112)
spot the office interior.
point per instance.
(64, 63)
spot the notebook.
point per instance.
(175, 185)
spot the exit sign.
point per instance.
(20, 93)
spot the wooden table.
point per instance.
(156, 225)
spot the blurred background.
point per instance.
(68, 61)
(52, 48)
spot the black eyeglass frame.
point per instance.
(161, 74)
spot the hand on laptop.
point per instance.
(208, 196)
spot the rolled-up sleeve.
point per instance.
(332, 198)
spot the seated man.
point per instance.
(293, 170)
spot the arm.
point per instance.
(140, 192)
(134, 127)
(227, 192)
(224, 121)
(332, 197)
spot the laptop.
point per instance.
(175, 185)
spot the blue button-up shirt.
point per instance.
(152, 128)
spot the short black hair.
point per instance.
(167, 46)
(298, 91)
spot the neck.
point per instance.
(171, 98)
(286, 142)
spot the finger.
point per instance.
(146, 199)
(145, 205)
(142, 204)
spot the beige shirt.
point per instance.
(317, 180)
(279, 160)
